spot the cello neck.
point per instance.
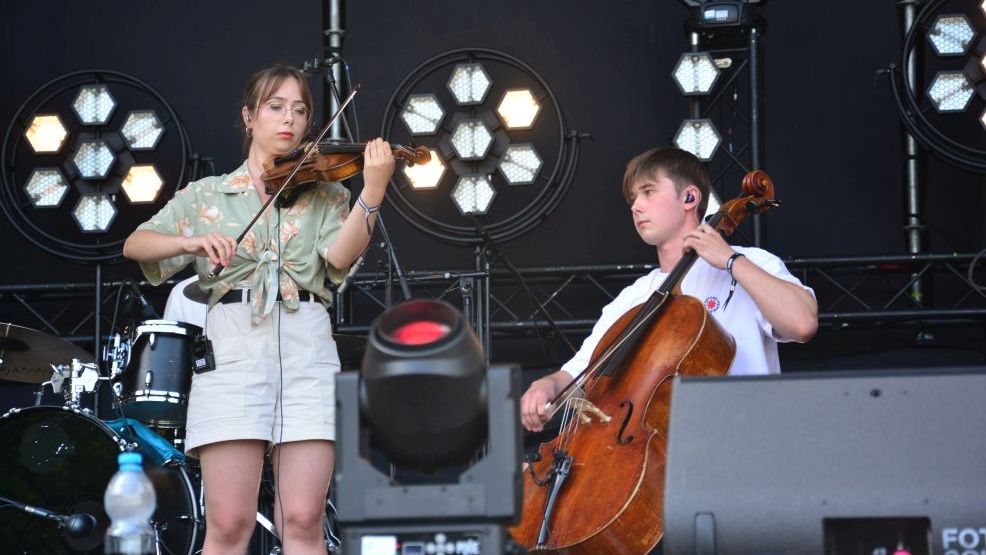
(681, 268)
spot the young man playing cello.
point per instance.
(748, 291)
(667, 189)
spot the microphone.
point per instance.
(76, 526)
(79, 525)
(315, 65)
(146, 308)
(352, 273)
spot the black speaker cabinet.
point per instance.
(861, 463)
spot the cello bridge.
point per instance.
(584, 409)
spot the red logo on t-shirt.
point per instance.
(712, 304)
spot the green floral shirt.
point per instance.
(225, 204)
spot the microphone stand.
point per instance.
(392, 255)
(490, 245)
(75, 525)
(326, 67)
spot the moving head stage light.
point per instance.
(446, 425)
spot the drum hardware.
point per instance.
(72, 380)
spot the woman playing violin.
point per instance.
(275, 360)
(749, 291)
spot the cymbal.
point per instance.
(351, 349)
(194, 293)
(26, 355)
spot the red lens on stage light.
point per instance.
(420, 333)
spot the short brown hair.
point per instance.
(263, 84)
(680, 166)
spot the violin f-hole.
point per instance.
(623, 426)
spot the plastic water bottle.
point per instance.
(130, 501)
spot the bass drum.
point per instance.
(62, 460)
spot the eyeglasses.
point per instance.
(277, 109)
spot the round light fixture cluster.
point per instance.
(936, 117)
(73, 146)
(499, 144)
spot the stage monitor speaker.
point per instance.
(861, 463)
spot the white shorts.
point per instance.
(273, 382)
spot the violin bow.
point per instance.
(308, 151)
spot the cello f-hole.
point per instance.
(623, 426)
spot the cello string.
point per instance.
(590, 378)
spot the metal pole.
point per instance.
(97, 332)
(333, 23)
(756, 128)
(914, 228)
(481, 300)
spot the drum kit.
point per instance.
(56, 460)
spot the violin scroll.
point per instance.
(412, 154)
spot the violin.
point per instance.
(331, 162)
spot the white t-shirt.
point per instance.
(756, 341)
(182, 309)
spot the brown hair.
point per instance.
(680, 166)
(263, 84)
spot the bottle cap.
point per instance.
(129, 458)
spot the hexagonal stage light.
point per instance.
(426, 176)
(473, 194)
(46, 187)
(520, 164)
(951, 34)
(518, 109)
(142, 184)
(94, 104)
(950, 91)
(46, 133)
(695, 73)
(142, 130)
(93, 158)
(471, 139)
(469, 84)
(422, 114)
(698, 136)
(94, 213)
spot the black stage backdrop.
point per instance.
(832, 140)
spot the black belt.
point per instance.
(239, 295)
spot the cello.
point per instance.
(598, 487)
